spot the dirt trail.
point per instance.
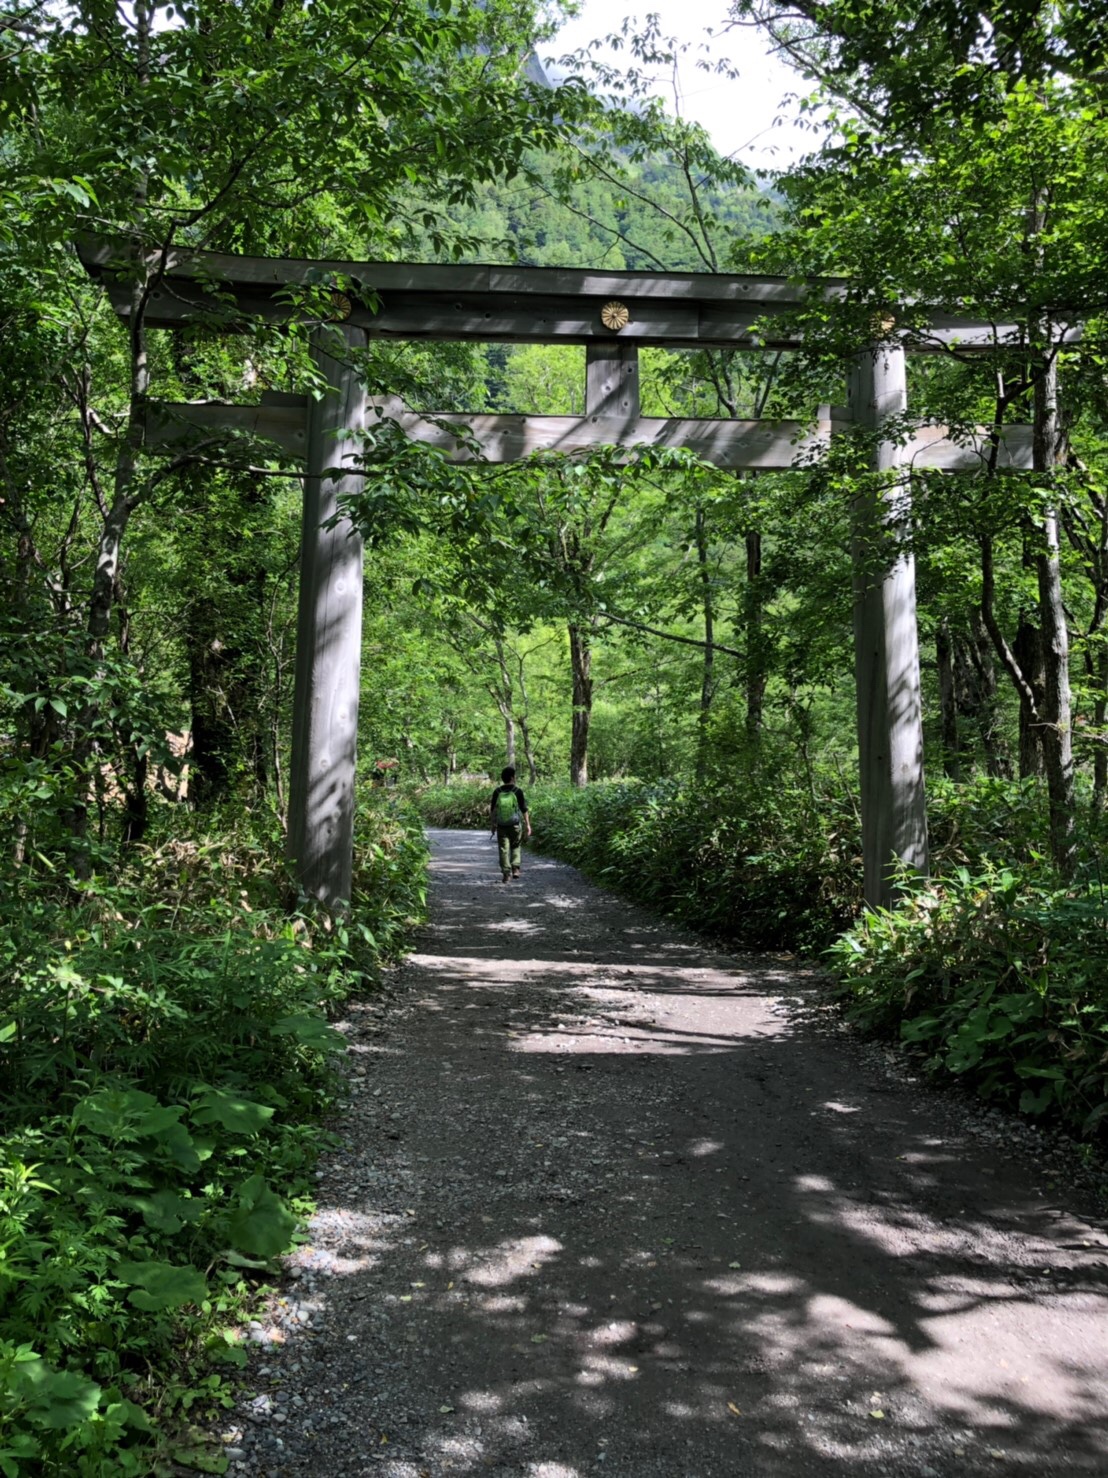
(606, 1206)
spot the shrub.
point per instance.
(465, 806)
(174, 1019)
(995, 977)
(756, 865)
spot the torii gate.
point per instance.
(612, 315)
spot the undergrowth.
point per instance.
(174, 1020)
(997, 976)
(465, 805)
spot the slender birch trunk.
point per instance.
(126, 490)
(580, 659)
(752, 620)
(708, 668)
(1056, 713)
(1100, 722)
(948, 701)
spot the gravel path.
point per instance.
(609, 1204)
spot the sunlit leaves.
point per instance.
(261, 1225)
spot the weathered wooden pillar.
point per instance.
(328, 637)
(886, 642)
(612, 380)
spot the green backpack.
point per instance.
(507, 809)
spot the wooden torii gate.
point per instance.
(612, 315)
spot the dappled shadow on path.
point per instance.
(653, 1227)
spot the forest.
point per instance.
(663, 649)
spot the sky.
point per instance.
(739, 115)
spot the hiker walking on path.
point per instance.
(508, 815)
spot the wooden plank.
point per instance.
(526, 304)
(612, 380)
(432, 277)
(659, 322)
(176, 424)
(99, 257)
(973, 335)
(691, 286)
(759, 445)
(931, 449)
(517, 318)
(320, 840)
(886, 643)
(765, 446)
(181, 301)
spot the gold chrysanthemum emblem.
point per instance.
(615, 315)
(341, 307)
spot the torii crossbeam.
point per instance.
(613, 315)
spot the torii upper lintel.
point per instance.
(521, 305)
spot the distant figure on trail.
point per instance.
(508, 815)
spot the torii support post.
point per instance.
(886, 641)
(320, 841)
(612, 381)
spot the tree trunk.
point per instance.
(948, 701)
(226, 682)
(137, 800)
(213, 733)
(1028, 651)
(505, 699)
(986, 711)
(1056, 716)
(708, 668)
(528, 753)
(104, 584)
(524, 724)
(1028, 696)
(580, 659)
(509, 740)
(1100, 720)
(755, 656)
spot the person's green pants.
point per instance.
(508, 839)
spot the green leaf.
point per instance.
(55, 1398)
(309, 1031)
(115, 1113)
(167, 1212)
(200, 1460)
(126, 1413)
(1036, 1103)
(20, 1448)
(262, 1225)
(162, 1285)
(231, 1112)
(240, 1260)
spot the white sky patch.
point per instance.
(756, 118)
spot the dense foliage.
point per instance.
(996, 976)
(674, 641)
(174, 1019)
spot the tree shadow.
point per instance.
(640, 1222)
